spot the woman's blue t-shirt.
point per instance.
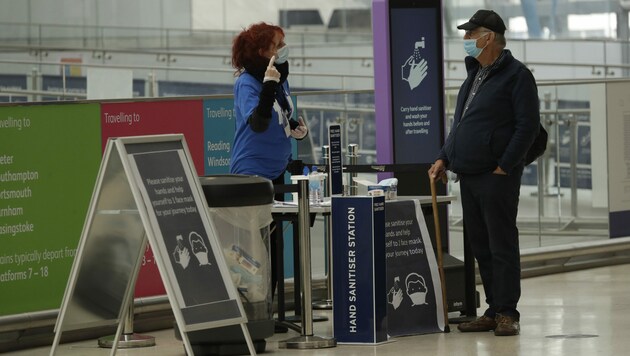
(264, 153)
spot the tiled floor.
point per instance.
(576, 313)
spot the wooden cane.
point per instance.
(438, 242)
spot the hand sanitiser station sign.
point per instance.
(360, 307)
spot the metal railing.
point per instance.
(357, 119)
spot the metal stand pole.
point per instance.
(306, 340)
(128, 339)
(353, 155)
(327, 303)
(572, 121)
(34, 84)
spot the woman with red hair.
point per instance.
(264, 114)
(262, 105)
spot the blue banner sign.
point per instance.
(417, 79)
(335, 169)
(360, 308)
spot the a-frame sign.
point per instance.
(147, 188)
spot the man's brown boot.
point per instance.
(507, 326)
(483, 323)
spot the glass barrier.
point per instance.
(558, 204)
(562, 200)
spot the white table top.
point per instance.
(291, 207)
(426, 199)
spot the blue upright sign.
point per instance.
(417, 79)
(360, 308)
(335, 168)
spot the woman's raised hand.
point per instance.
(272, 73)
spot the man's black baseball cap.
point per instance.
(484, 18)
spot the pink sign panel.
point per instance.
(154, 118)
(157, 117)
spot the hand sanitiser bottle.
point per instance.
(315, 186)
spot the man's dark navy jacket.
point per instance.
(501, 121)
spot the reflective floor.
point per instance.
(576, 313)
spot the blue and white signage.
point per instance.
(360, 308)
(417, 79)
(414, 295)
(335, 167)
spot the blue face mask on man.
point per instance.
(282, 55)
(470, 46)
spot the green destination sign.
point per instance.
(49, 159)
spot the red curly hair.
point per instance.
(247, 45)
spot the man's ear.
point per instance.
(492, 36)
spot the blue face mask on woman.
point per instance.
(282, 55)
(470, 46)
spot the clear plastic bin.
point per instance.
(240, 209)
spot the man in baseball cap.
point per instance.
(484, 18)
(496, 119)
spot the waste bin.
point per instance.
(240, 208)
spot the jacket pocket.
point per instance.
(497, 142)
